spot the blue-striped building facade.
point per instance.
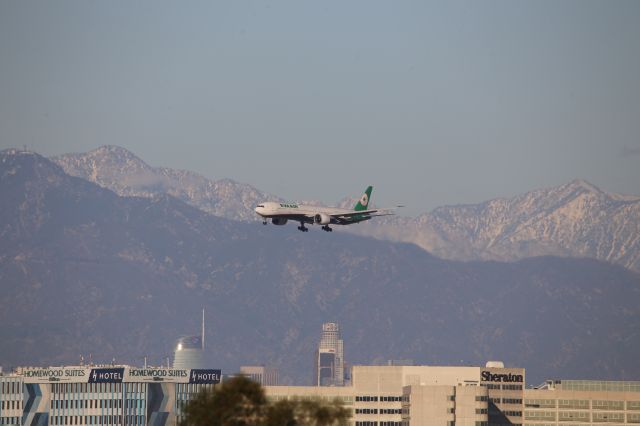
(123, 398)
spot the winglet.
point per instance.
(364, 200)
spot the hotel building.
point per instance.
(115, 395)
(583, 402)
(390, 395)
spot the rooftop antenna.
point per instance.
(203, 329)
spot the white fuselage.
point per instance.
(273, 209)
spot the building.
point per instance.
(266, 376)
(583, 402)
(329, 359)
(402, 395)
(189, 353)
(378, 396)
(444, 405)
(113, 395)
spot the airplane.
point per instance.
(281, 213)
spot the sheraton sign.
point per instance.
(120, 375)
(488, 376)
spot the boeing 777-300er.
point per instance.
(280, 213)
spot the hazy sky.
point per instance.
(432, 103)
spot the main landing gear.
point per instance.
(303, 228)
(264, 222)
(327, 228)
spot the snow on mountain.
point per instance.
(124, 173)
(87, 271)
(576, 220)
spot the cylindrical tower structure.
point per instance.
(189, 353)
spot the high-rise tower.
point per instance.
(329, 365)
(189, 352)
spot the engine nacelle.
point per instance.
(322, 219)
(279, 221)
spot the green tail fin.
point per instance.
(363, 203)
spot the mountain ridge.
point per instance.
(123, 172)
(576, 219)
(84, 270)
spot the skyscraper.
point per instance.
(189, 352)
(329, 365)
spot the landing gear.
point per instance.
(327, 228)
(303, 228)
(264, 222)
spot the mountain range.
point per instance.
(126, 174)
(85, 270)
(573, 220)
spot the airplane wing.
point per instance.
(383, 212)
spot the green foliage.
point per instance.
(238, 402)
(242, 402)
(306, 413)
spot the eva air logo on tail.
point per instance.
(364, 200)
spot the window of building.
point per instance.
(540, 415)
(607, 405)
(540, 403)
(633, 405)
(366, 411)
(579, 404)
(573, 416)
(608, 417)
(512, 387)
(633, 418)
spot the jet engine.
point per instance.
(279, 221)
(322, 219)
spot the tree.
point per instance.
(238, 402)
(242, 402)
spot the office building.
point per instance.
(378, 396)
(391, 395)
(329, 359)
(266, 376)
(189, 353)
(583, 402)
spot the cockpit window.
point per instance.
(261, 205)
